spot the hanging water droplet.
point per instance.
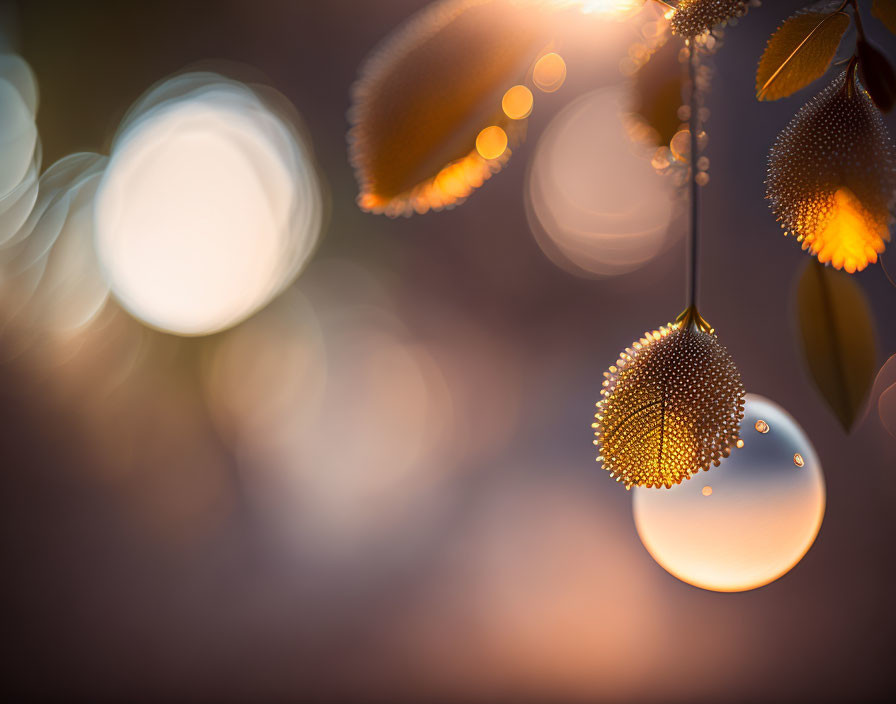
(761, 426)
(740, 444)
(707, 491)
(798, 459)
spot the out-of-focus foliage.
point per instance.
(837, 339)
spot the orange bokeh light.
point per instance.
(549, 72)
(491, 142)
(517, 103)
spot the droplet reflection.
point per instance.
(763, 517)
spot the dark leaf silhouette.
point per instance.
(878, 75)
(885, 11)
(657, 92)
(837, 338)
(799, 53)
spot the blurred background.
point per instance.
(382, 485)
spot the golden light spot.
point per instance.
(707, 491)
(798, 460)
(740, 444)
(517, 103)
(491, 142)
(850, 237)
(761, 426)
(549, 72)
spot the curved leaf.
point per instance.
(799, 52)
(837, 336)
(885, 11)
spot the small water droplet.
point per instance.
(740, 444)
(761, 426)
(798, 460)
(707, 490)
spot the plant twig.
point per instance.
(693, 126)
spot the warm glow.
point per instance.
(449, 187)
(763, 516)
(586, 216)
(615, 9)
(849, 237)
(517, 103)
(491, 142)
(209, 206)
(549, 72)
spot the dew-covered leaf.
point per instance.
(837, 337)
(693, 17)
(832, 177)
(799, 53)
(671, 406)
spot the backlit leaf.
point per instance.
(799, 53)
(832, 177)
(885, 11)
(670, 406)
(429, 90)
(837, 336)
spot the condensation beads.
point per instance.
(670, 406)
(695, 17)
(832, 177)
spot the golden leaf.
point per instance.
(799, 53)
(693, 17)
(832, 177)
(837, 336)
(429, 91)
(671, 406)
(885, 11)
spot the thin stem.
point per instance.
(693, 126)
